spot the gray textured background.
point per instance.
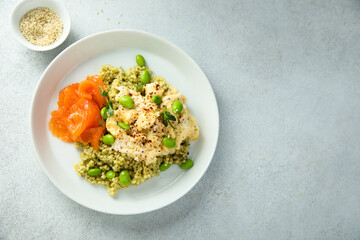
(286, 78)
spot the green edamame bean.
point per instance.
(124, 178)
(94, 171)
(140, 60)
(108, 139)
(177, 107)
(156, 99)
(127, 102)
(187, 164)
(124, 126)
(145, 77)
(103, 113)
(164, 167)
(110, 174)
(169, 142)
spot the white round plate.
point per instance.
(119, 48)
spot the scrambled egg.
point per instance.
(143, 141)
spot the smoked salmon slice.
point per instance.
(97, 79)
(68, 96)
(84, 113)
(60, 131)
(78, 117)
(90, 89)
(92, 135)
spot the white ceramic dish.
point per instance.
(26, 5)
(119, 48)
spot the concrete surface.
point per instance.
(287, 165)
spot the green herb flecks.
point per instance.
(139, 86)
(109, 110)
(167, 118)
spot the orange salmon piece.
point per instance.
(97, 79)
(58, 126)
(92, 135)
(78, 115)
(90, 90)
(84, 113)
(68, 96)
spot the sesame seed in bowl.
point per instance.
(40, 25)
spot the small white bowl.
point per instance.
(26, 5)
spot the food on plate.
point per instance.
(78, 115)
(164, 167)
(187, 164)
(140, 60)
(146, 126)
(41, 26)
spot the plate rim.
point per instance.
(124, 31)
